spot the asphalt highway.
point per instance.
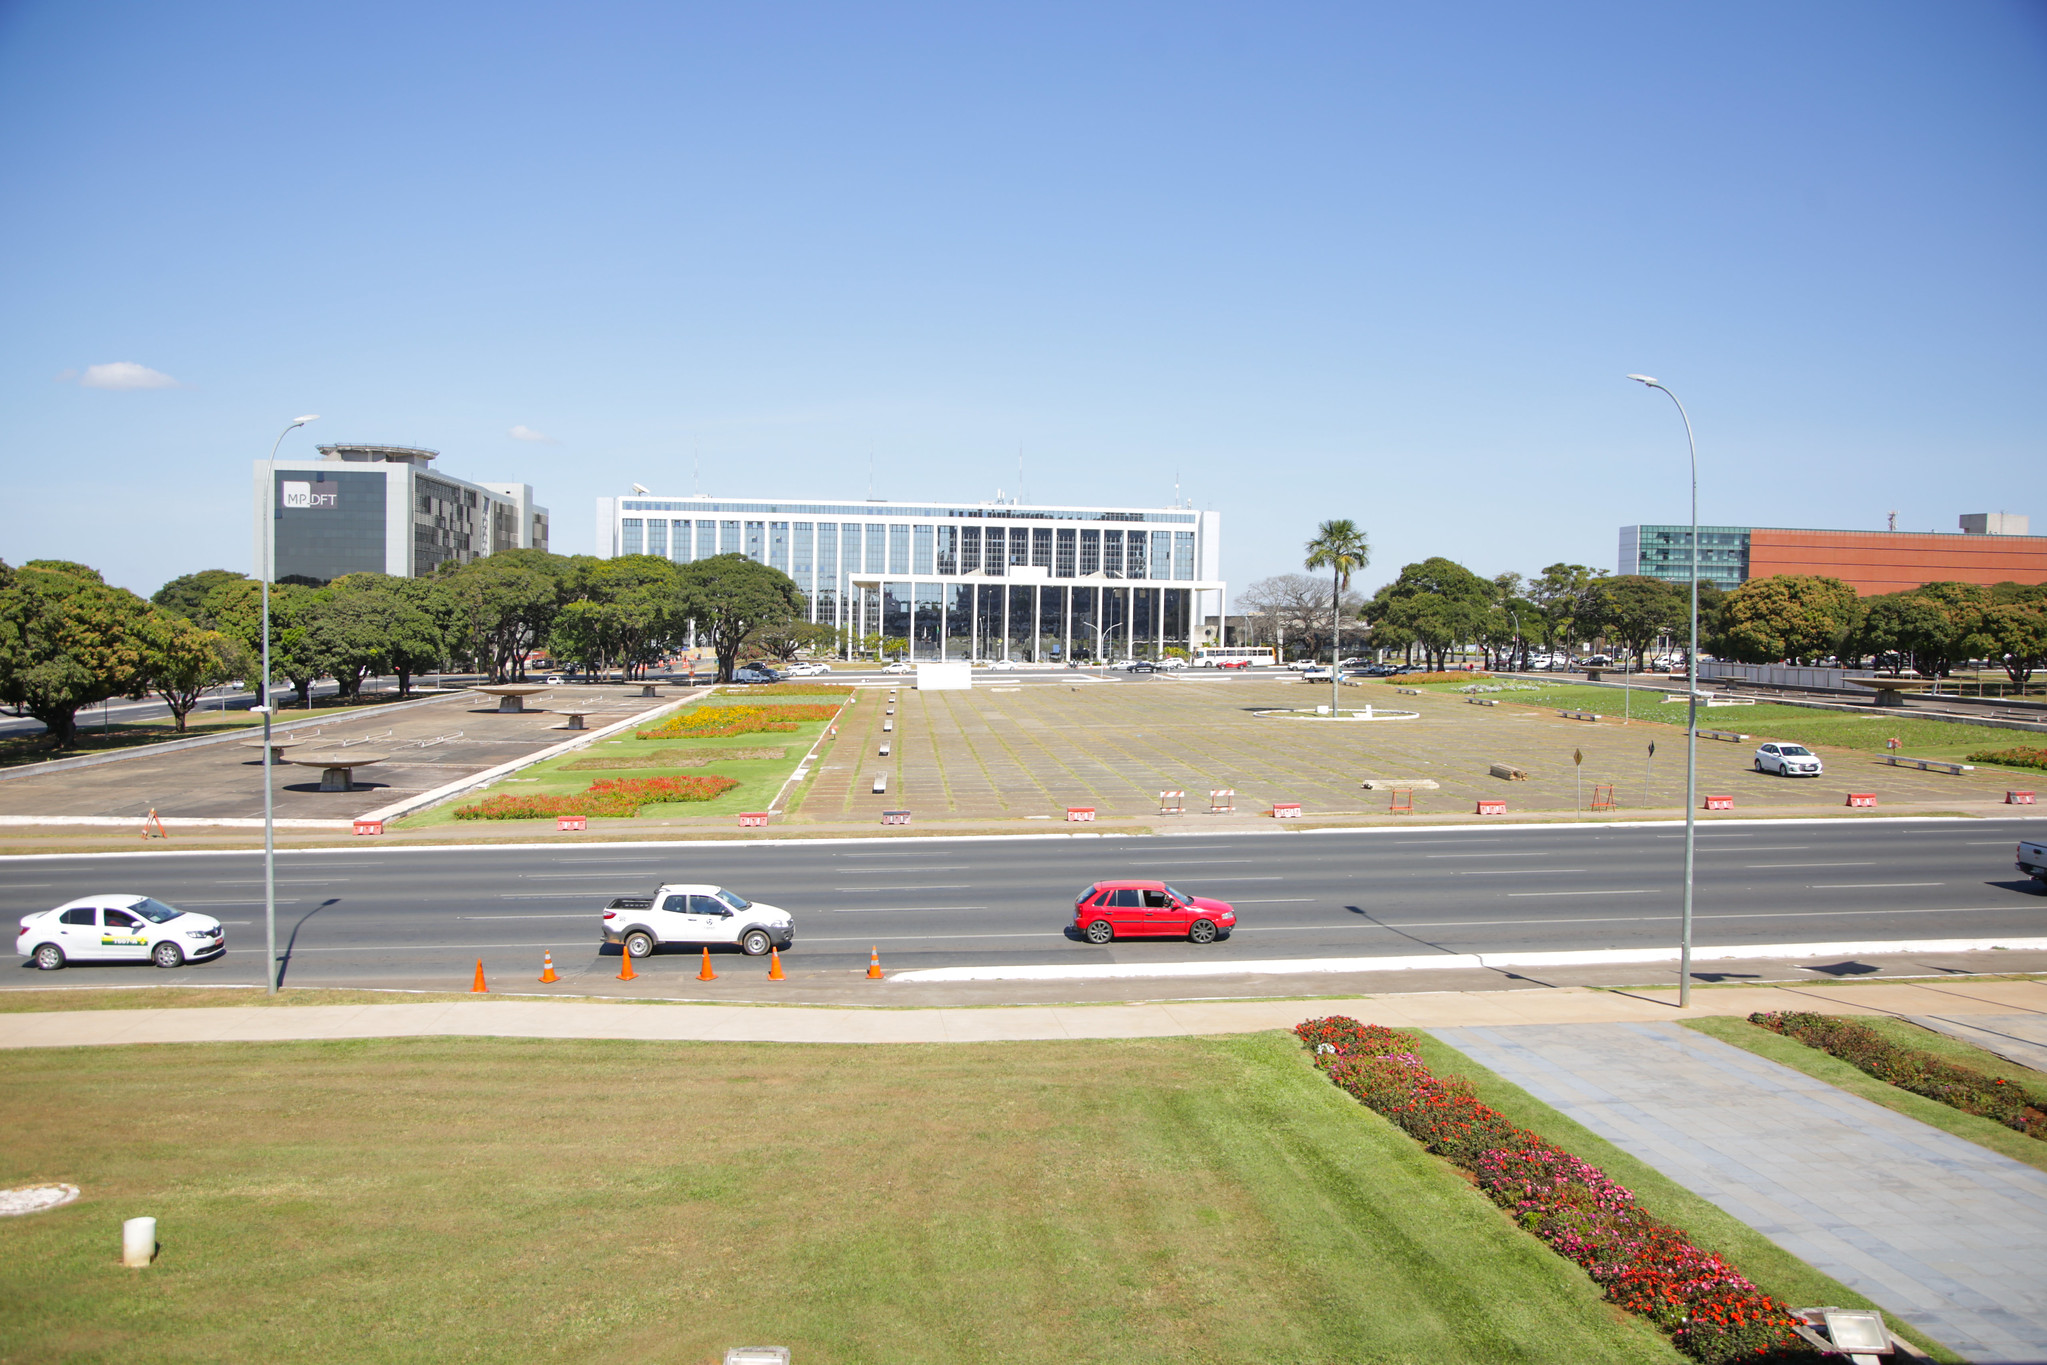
(413, 917)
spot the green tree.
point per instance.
(1438, 602)
(1635, 610)
(186, 596)
(504, 605)
(181, 660)
(1795, 617)
(2016, 636)
(1562, 595)
(784, 640)
(236, 611)
(1340, 547)
(729, 597)
(67, 641)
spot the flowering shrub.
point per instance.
(1922, 1073)
(1448, 675)
(2012, 758)
(1710, 1311)
(712, 722)
(793, 689)
(620, 797)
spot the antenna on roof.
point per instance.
(640, 488)
(1894, 521)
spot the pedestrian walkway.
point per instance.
(1947, 1235)
(2020, 1038)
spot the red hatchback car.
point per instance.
(1113, 910)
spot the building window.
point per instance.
(898, 548)
(778, 545)
(755, 534)
(1062, 564)
(877, 546)
(922, 547)
(1020, 545)
(948, 551)
(970, 548)
(728, 539)
(630, 535)
(1161, 554)
(1041, 546)
(800, 540)
(1090, 552)
(678, 541)
(1112, 553)
(1183, 555)
(1133, 556)
(657, 536)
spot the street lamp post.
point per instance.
(1684, 977)
(269, 710)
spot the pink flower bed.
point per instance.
(1711, 1312)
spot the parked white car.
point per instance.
(1788, 760)
(696, 915)
(1004, 665)
(120, 927)
(809, 670)
(901, 666)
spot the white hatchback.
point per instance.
(118, 928)
(1788, 760)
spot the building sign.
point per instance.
(303, 495)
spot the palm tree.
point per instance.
(1340, 547)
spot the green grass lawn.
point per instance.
(1171, 1200)
(1917, 738)
(1839, 1074)
(628, 756)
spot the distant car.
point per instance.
(1299, 664)
(1004, 666)
(807, 670)
(901, 666)
(1232, 663)
(118, 928)
(755, 673)
(1140, 666)
(2032, 859)
(1107, 911)
(1788, 760)
(1173, 663)
(696, 915)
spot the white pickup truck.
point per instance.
(696, 914)
(2033, 860)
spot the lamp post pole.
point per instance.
(270, 510)
(1684, 979)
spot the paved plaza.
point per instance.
(1948, 1235)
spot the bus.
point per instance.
(1214, 656)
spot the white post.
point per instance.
(138, 1242)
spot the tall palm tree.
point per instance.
(1340, 547)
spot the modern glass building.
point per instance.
(380, 509)
(989, 581)
(1666, 552)
(1990, 547)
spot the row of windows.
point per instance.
(828, 552)
(956, 513)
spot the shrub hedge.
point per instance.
(618, 797)
(2011, 758)
(1711, 1312)
(793, 689)
(1922, 1073)
(717, 722)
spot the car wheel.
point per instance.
(1202, 931)
(49, 957)
(754, 943)
(1759, 765)
(1100, 931)
(167, 955)
(640, 943)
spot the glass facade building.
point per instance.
(379, 509)
(1666, 552)
(988, 581)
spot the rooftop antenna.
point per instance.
(640, 488)
(1894, 521)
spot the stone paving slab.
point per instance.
(2020, 1038)
(1945, 1234)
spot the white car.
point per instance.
(1174, 663)
(696, 915)
(118, 928)
(810, 670)
(901, 666)
(1788, 760)
(1004, 665)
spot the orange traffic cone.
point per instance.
(547, 967)
(707, 974)
(626, 973)
(479, 988)
(874, 965)
(775, 965)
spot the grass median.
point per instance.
(504, 1200)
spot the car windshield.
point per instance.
(735, 900)
(155, 911)
(1794, 750)
(1179, 895)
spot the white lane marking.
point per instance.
(918, 938)
(1863, 886)
(524, 917)
(1518, 872)
(1281, 900)
(1772, 848)
(1450, 834)
(1205, 880)
(1867, 863)
(892, 909)
(1459, 961)
(1530, 853)
(938, 867)
(927, 886)
(555, 876)
(553, 895)
(292, 901)
(1186, 862)
(1985, 843)
(1639, 891)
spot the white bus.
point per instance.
(1213, 656)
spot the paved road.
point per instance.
(389, 916)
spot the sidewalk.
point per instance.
(526, 1018)
(1948, 1235)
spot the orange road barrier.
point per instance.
(775, 965)
(874, 963)
(707, 974)
(154, 819)
(626, 973)
(479, 988)
(547, 967)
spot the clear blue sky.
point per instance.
(1384, 261)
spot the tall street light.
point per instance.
(1684, 977)
(269, 709)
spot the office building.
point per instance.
(380, 509)
(988, 581)
(1990, 547)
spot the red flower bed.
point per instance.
(1922, 1073)
(618, 797)
(1712, 1313)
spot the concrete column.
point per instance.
(1067, 616)
(1159, 616)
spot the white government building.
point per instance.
(998, 580)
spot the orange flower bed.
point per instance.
(717, 722)
(617, 798)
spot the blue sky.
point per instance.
(1380, 261)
